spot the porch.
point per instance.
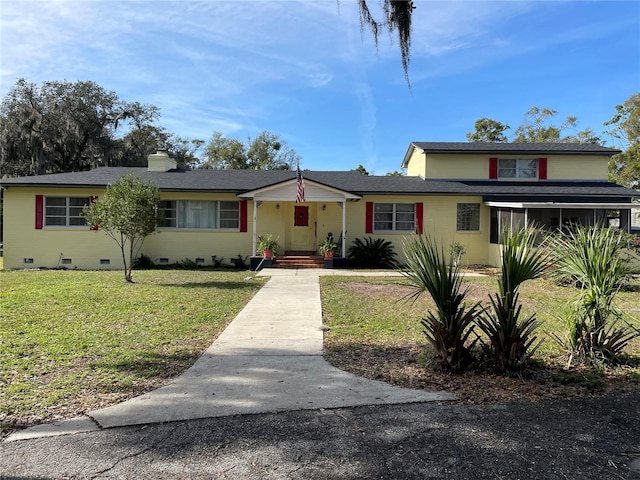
(552, 216)
(299, 227)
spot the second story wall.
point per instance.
(477, 166)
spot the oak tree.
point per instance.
(488, 130)
(396, 17)
(624, 167)
(64, 127)
(265, 152)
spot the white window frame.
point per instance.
(394, 218)
(522, 165)
(71, 212)
(459, 213)
(221, 206)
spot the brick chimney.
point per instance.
(160, 161)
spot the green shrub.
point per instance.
(187, 264)
(370, 253)
(217, 262)
(590, 259)
(143, 263)
(510, 340)
(448, 328)
(240, 262)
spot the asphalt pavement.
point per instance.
(561, 439)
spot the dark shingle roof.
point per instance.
(514, 148)
(240, 181)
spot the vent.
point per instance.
(105, 261)
(27, 260)
(163, 261)
(66, 261)
(199, 261)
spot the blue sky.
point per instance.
(304, 70)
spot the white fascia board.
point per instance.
(612, 206)
(286, 191)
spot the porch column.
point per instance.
(344, 231)
(560, 229)
(254, 239)
(625, 219)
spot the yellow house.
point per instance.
(462, 192)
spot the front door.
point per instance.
(302, 230)
(301, 216)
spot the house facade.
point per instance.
(460, 192)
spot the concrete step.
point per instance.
(299, 261)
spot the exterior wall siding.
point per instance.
(439, 219)
(578, 168)
(86, 248)
(458, 166)
(417, 165)
(476, 167)
(49, 246)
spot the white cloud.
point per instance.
(245, 66)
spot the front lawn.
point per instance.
(374, 332)
(73, 341)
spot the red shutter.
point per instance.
(419, 215)
(93, 199)
(542, 169)
(369, 220)
(243, 215)
(493, 168)
(39, 211)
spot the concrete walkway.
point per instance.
(269, 359)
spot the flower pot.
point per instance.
(328, 255)
(267, 254)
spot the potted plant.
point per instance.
(327, 248)
(268, 246)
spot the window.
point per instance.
(199, 214)
(468, 217)
(518, 168)
(167, 213)
(65, 211)
(229, 215)
(400, 217)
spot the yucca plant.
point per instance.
(590, 259)
(370, 253)
(450, 326)
(510, 340)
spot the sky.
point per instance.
(304, 69)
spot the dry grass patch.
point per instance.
(374, 332)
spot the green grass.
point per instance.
(370, 318)
(72, 341)
(76, 340)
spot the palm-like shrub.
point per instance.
(510, 339)
(449, 327)
(590, 258)
(370, 253)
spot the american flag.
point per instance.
(299, 186)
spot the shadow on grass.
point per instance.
(631, 287)
(146, 365)
(216, 285)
